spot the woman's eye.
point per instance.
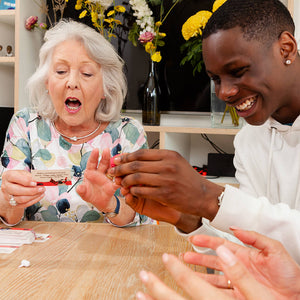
(60, 72)
(87, 74)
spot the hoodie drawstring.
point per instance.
(270, 161)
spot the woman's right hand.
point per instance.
(19, 185)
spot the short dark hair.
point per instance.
(261, 20)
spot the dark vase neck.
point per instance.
(152, 66)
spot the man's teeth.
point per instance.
(246, 104)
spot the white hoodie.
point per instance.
(267, 161)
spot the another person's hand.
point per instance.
(165, 177)
(267, 272)
(266, 259)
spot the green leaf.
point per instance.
(131, 133)
(24, 114)
(62, 189)
(43, 130)
(44, 154)
(64, 144)
(84, 160)
(23, 146)
(160, 43)
(114, 134)
(133, 34)
(90, 216)
(50, 214)
(155, 2)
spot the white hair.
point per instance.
(99, 50)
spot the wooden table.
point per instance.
(87, 261)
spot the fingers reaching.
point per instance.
(156, 288)
(240, 277)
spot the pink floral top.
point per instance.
(33, 143)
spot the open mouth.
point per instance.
(247, 104)
(72, 104)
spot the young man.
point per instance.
(251, 54)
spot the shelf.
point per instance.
(204, 130)
(196, 123)
(7, 60)
(7, 16)
(225, 180)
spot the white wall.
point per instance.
(296, 16)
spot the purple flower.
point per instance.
(30, 23)
(146, 37)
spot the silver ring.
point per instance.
(12, 201)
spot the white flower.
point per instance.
(143, 14)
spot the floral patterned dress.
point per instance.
(32, 143)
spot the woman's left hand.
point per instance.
(97, 188)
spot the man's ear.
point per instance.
(288, 46)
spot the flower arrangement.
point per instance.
(57, 5)
(32, 22)
(146, 29)
(192, 32)
(103, 15)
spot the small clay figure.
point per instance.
(9, 50)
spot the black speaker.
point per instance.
(5, 115)
(219, 164)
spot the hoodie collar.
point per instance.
(272, 123)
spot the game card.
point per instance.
(52, 177)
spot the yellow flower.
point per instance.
(217, 4)
(194, 24)
(82, 14)
(94, 17)
(149, 47)
(120, 8)
(158, 23)
(156, 56)
(78, 4)
(162, 34)
(110, 13)
(117, 22)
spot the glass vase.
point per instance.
(222, 115)
(151, 112)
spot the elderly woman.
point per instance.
(76, 96)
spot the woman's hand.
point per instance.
(19, 185)
(164, 177)
(98, 189)
(267, 272)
